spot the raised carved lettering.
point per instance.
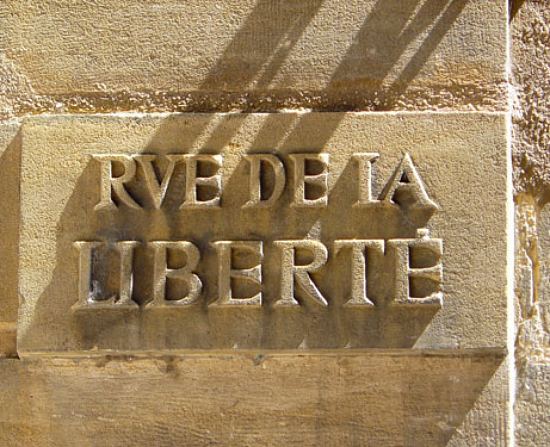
(227, 272)
(86, 293)
(157, 189)
(405, 188)
(109, 182)
(418, 271)
(310, 188)
(162, 273)
(359, 249)
(203, 181)
(291, 272)
(418, 268)
(430, 269)
(364, 162)
(194, 181)
(256, 174)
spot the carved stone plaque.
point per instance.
(263, 231)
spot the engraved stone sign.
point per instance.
(263, 231)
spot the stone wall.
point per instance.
(450, 61)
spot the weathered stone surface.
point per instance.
(533, 329)
(533, 283)
(532, 403)
(530, 31)
(59, 56)
(9, 234)
(460, 160)
(307, 400)
(531, 81)
(8, 335)
(253, 55)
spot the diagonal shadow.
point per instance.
(10, 160)
(370, 53)
(378, 46)
(266, 39)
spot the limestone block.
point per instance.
(532, 403)
(9, 219)
(530, 29)
(532, 349)
(356, 230)
(207, 55)
(260, 400)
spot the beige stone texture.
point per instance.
(9, 234)
(533, 324)
(256, 400)
(461, 159)
(530, 30)
(532, 423)
(531, 74)
(64, 57)
(207, 55)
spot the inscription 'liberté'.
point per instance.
(309, 190)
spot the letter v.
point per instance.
(156, 189)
